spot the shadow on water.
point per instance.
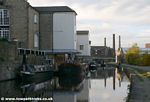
(101, 86)
(49, 87)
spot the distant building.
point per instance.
(101, 51)
(83, 43)
(147, 45)
(19, 22)
(57, 28)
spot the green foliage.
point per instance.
(146, 60)
(133, 57)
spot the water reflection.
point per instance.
(68, 83)
(81, 95)
(102, 85)
(109, 84)
(37, 89)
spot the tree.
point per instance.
(132, 55)
(145, 60)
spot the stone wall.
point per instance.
(9, 60)
(10, 89)
(18, 10)
(8, 51)
(8, 71)
(33, 27)
(22, 25)
(46, 32)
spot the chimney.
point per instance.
(114, 44)
(105, 42)
(119, 41)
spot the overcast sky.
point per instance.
(128, 18)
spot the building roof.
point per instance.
(52, 9)
(83, 32)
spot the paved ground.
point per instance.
(140, 87)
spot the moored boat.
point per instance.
(71, 69)
(34, 72)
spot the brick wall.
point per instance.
(147, 45)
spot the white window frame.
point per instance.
(4, 17)
(36, 40)
(35, 19)
(4, 33)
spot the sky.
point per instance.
(128, 18)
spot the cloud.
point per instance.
(145, 33)
(128, 18)
(115, 11)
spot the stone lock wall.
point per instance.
(9, 60)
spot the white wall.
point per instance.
(64, 30)
(83, 40)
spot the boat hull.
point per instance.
(37, 76)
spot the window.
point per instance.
(36, 40)
(4, 17)
(4, 33)
(81, 47)
(90, 42)
(4, 24)
(96, 52)
(35, 19)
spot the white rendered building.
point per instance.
(83, 43)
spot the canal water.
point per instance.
(102, 85)
(109, 85)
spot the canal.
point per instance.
(102, 85)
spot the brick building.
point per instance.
(19, 21)
(43, 28)
(101, 51)
(147, 45)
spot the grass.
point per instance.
(145, 75)
(139, 72)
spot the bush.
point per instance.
(146, 60)
(133, 57)
(142, 60)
